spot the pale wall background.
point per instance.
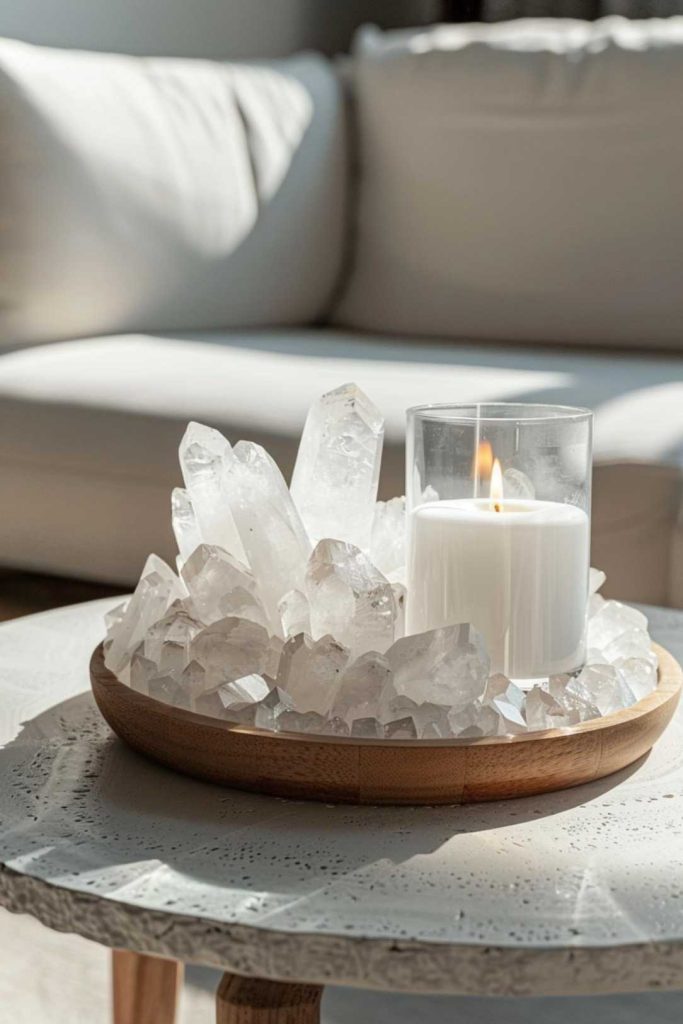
(204, 28)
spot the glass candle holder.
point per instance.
(498, 500)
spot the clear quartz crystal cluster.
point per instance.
(286, 612)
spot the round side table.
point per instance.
(573, 892)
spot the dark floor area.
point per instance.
(22, 593)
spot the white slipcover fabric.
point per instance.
(521, 181)
(165, 193)
(89, 432)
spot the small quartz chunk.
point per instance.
(269, 525)
(205, 456)
(220, 586)
(603, 686)
(388, 542)
(247, 690)
(401, 729)
(156, 590)
(442, 666)
(295, 614)
(610, 621)
(543, 711)
(367, 729)
(364, 683)
(302, 721)
(274, 704)
(350, 598)
(507, 700)
(639, 674)
(184, 523)
(310, 672)
(471, 721)
(335, 479)
(229, 649)
(168, 690)
(167, 642)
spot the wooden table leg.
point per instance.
(256, 1001)
(145, 988)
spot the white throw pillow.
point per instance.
(154, 193)
(521, 181)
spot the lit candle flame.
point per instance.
(496, 491)
(483, 460)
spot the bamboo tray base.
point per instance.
(349, 770)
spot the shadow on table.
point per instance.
(67, 783)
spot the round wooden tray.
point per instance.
(349, 770)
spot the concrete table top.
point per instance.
(579, 891)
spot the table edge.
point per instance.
(410, 966)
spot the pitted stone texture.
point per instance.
(573, 892)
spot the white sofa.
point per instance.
(456, 214)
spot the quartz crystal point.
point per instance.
(184, 522)
(220, 586)
(157, 588)
(310, 672)
(388, 541)
(442, 666)
(362, 685)
(230, 649)
(295, 614)
(334, 484)
(350, 598)
(204, 459)
(269, 525)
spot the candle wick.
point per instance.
(497, 507)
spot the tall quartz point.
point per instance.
(204, 457)
(184, 523)
(334, 484)
(270, 527)
(220, 586)
(442, 666)
(350, 598)
(156, 590)
(310, 672)
(230, 649)
(388, 541)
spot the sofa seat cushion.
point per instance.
(160, 193)
(95, 424)
(520, 181)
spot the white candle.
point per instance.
(516, 569)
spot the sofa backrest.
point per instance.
(521, 181)
(144, 194)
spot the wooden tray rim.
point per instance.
(668, 688)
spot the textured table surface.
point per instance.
(580, 891)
